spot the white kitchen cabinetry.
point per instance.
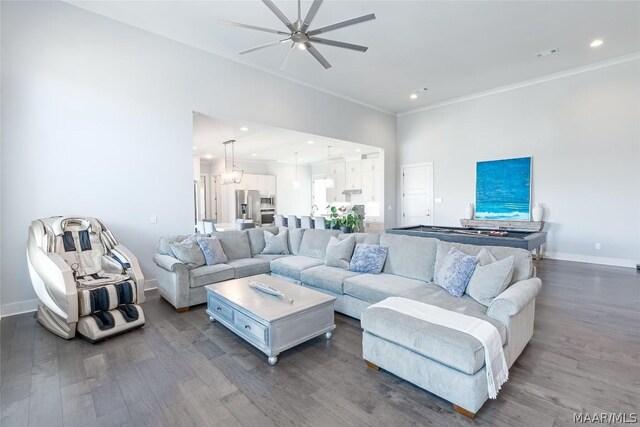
(249, 182)
(266, 185)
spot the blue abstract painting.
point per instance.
(503, 189)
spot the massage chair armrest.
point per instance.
(170, 263)
(514, 299)
(134, 271)
(59, 291)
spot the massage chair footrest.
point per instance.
(101, 325)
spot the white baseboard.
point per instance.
(150, 284)
(18, 307)
(617, 262)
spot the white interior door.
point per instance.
(417, 194)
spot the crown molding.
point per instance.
(549, 77)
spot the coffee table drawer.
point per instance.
(220, 309)
(250, 327)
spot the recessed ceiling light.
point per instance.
(244, 128)
(254, 154)
(194, 147)
(358, 150)
(209, 156)
(596, 43)
(311, 142)
(413, 96)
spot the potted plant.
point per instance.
(335, 217)
(350, 222)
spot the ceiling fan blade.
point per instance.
(299, 11)
(286, 58)
(339, 44)
(279, 14)
(252, 27)
(313, 51)
(310, 15)
(262, 46)
(342, 24)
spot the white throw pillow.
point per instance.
(490, 278)
(339, 252)
(276, 244)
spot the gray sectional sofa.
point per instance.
(446, 362)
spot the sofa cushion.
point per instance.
(339, 252)
(374, 288)
(212, 250)
(188, 252)
(291, 266)
(269, 257)
(368, 258)
(276, 244)
(314, 242)
(455, 272)
(522, 265)
(163, 244)
(410, 256)
(256, 238)
(295, 239)
(249, 267)
(234, 243)
(366, 238)
(209, 274)
(325, 277)
(455, 349)
(490, 278)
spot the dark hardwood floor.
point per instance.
(181, 370)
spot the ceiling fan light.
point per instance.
(302, 46)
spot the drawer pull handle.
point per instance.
(247, 327)
(219, 309)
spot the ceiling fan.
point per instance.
(298, 33)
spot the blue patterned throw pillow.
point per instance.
(212, 250)
(368, 258)
(456, 271)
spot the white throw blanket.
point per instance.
(483, 331)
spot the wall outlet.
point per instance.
(153, 219)
(598, 246)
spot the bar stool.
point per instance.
(208, 226)
(306, 222)
(280, 220)
(293, 221)
(319, 222)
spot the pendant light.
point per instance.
(296, 183)
(328, 180)
(231, 174)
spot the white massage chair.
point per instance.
(86, 281)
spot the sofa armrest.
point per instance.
(514, 299)
(173, 280)
(169, 263)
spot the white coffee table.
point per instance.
(270, 323)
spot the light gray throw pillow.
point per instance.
(276, 244)
(188, 251)
(339, 252)
(212, 250)
(490, 278)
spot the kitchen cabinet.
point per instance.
(249, 182)
(266, 185)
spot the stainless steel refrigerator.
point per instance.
(248, 205)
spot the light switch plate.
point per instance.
(153, 219)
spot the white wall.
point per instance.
(583, 132)
(97, 120)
